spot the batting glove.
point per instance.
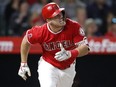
(63, 54)
(23, 70)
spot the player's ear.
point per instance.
(48, 20)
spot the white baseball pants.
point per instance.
(50, 76)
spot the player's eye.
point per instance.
(58, 16)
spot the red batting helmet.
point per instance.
(51, 10)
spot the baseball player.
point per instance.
(62, 41)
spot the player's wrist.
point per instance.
(74, 53)
(23, 63)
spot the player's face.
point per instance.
(58, 20)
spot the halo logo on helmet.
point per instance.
(51, 10)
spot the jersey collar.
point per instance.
(52, 31)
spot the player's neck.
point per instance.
(55, 29)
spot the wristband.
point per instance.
(74, 53)
(23, 64)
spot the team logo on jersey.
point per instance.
(82, 32)
(55, 45)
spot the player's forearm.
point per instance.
(25, 46)
(78, 52)
(82, 50)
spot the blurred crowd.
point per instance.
(97, 17)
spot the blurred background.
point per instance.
(98, 19)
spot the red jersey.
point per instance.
(70, 35)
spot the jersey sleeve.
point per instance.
(79, 36)
(34, 35)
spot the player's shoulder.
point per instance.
(72, 22)
(39, 28)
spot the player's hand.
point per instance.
(63, 54)
(23, 70)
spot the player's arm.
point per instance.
(81, 42)
(82, 47)
(32, 36)
(25, 46)
(71, 55)
(82, 50)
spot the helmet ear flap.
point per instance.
(64, 14)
